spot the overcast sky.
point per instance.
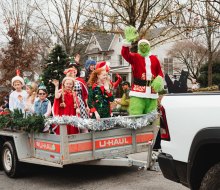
(3, 39)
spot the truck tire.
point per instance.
(9, 158)
(211, 179)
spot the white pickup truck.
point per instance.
(190, 133)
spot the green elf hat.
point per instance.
(27, 82)
(42, 86)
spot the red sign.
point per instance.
(47, 146)
(112, 142)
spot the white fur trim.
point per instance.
(146, 94)
(126, 43)
(108, 63)
(148, 68)
(145, 41)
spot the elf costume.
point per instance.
(105, 65)
(81, 91)
(66, 104)
(147, 74)
(99, 98)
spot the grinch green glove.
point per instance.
(131, 34)
(157, 84)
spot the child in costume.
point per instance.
(80, 88)
(100, 94)
(31, 89)
(65, 103)
(90, 67)
(105, 65)
(42, 106)
(17, 98)
(147, 74)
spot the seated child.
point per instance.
(65, 103)
(100, 95)
(18, 97)
(42, 106)
(31, 89)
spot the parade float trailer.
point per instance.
(109, 147)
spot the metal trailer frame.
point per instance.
(111, 147)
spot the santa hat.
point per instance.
(103, 64)
(68, 70)
(17, 78)
(143, 41)
(89, 62)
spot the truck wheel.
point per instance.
(10, 161)
(211, 179)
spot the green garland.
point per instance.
(16, 121)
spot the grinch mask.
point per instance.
(144, 49)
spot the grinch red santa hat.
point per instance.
(103, 64)
(143, 41)
(17, 78)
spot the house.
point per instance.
(107, 47)
(162, 39)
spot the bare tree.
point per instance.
(21, 16)
(63, 19)
(16, 56)
(191, 54)
(207, 29)
(142, 14)
(215, 5)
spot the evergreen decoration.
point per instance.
(203, 78)
(53, 69)
(16, 121)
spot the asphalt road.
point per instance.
(88, 178)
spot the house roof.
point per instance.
(156, 32)
(104, 40)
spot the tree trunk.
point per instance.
(210, 69)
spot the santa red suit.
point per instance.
(144, 70)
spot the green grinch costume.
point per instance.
(147, 74)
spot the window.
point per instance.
(94, 58)
(120, 60)
(168, 66)
(123, 76)
(108, 57)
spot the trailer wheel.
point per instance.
(211, 178)
(10, 161)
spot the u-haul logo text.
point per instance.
(47, 146)
(112, 142)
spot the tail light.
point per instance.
(164, 131)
